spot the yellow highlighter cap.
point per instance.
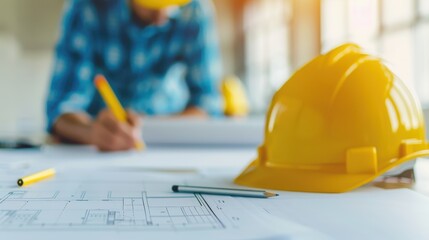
(159, 4)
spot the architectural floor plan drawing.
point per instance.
(108, 210)
(99, 202)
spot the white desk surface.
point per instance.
(367, 213)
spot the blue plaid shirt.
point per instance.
(154, 70)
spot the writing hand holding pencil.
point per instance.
(115, 129)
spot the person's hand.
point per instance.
(108, 134)
(194, 112)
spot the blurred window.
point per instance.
(334, 24)
(423, 8)
(266, 38)
(396, 30)
(397, 12)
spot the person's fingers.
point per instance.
(122, 132)
(110, 122)
(112, 142)
(136, 123)
(133, 118)
(104, 140)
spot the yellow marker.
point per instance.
(113, 103)
(33, 178)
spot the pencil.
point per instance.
(36, 177)
(113, 103)
(223, 191)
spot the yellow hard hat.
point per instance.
(338, 123)
(159, 4)
(236, 103)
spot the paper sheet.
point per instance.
(154, 158)
(123, 204)
(197, 132)
(366, 213)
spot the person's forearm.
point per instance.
(73, 127)
(194, 112)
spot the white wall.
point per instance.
(28, 31)
(24, 77)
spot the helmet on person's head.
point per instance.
(159, 4)
(339, 122)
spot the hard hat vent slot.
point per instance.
(362, 160)
(410, 146)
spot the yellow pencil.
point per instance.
(33, 178)
(113, 103)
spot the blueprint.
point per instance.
(113, 210)
(128, 196)
(87, 208)
(119, 205)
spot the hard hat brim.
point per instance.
(156, 4)
(299, 180)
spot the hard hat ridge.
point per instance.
(159, 4)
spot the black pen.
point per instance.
(20, 144)
(223, 191)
